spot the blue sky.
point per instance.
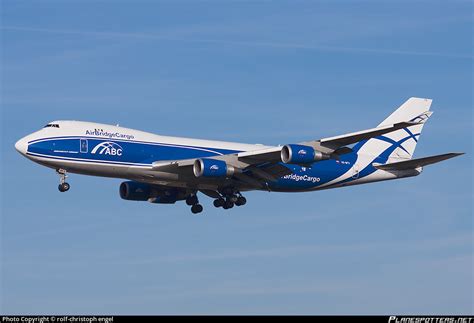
(271, 72)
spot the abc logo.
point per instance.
(302, 152)
(108, 148)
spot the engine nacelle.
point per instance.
(300, 154)
(135, 191)
(205, 167)
(163, 199)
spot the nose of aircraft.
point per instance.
(21, 146)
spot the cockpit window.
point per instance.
(53, 125)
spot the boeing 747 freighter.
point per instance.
(161, 169)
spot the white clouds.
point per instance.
(268, 44)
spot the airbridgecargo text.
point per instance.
(103, 133)
(304, 178)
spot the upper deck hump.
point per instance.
(92, 129)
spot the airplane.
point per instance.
(161, 169)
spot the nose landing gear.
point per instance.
(63, 185)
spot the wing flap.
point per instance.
(262, 155)
(277, 170)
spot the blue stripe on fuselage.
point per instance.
(139, 153)
(118, 151)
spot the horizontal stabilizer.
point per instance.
(415, 163)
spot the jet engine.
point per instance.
(300, 154)
(135, 191)
(205, 167)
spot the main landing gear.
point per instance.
(194, 202)
(229, 199)
(63, 185)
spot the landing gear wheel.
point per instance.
(228, 204)
(64, 187)
(219, 202)
(240, 201)
(196, 208)
(192, 200)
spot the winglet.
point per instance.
(422, 118)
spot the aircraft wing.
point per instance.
(171, 165)
(331, 144)
(260, 166)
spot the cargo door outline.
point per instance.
(84, 146)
